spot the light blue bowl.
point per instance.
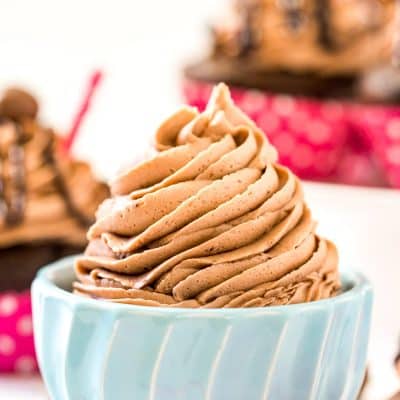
(93, 350)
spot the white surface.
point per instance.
(365, 225)
(21, 388)
(141, 45)
(52, 46)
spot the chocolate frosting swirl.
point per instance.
(45, 195)
(210, 221)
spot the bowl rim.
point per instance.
(360, 286)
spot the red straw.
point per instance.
(93, 84)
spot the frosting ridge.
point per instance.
(210, 221)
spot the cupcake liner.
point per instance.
(17, 353)
(380, 125)
(322, 140)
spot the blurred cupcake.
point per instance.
(47, 202)
(296, 68)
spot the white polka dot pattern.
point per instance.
(25, 364)
(253, 101)
(283, 105)
(349, 143)
(285, 143)
(7, 345)
(318, 132)
(8, 305)
(24, 326)
(17, 351)
(393, 154)
(393, 129)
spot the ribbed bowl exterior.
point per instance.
(92, 350)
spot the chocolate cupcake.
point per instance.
(297, 68)
(47, 201)
(300, 47)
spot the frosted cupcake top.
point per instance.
(210, 221)
(325, 36)
(45, 195)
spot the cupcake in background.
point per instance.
(297, 68)
(47, 201)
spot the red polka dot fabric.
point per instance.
(322, 140)
(17, 352)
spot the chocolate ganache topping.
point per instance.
(210, 221)
(45, 195)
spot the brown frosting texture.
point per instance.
(45, 195)
(301, 36)
(210, 221)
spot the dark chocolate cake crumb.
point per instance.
(61, 185)
(16, 156)
(12, 208)
(20, 263)
(323, 16)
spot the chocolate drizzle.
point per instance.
(3, 203)
(16, 157)
(322, 17)
(60, 183)
(293, 11)
(12, 212)
(247, 36)
(13, 196)
(12, 204)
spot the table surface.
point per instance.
(365, 224)
(14, 387)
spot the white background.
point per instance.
(52, 46)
